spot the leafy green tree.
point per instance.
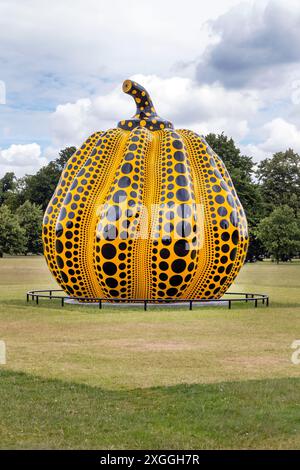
(279, 179)
(30, 217)
(241, 169)
(12, 236)
(280, 233)
(40, 187)
(7, 186)
(64, 156)
(15, 197)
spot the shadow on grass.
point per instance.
(44, 413)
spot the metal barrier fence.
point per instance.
(50, 294)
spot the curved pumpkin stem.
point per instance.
(146, 115)
(141, 97)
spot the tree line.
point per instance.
(269, 193)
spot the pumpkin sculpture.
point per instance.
(144, 211)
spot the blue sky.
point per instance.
(210, 66)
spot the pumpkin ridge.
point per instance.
(116, 225)
(206, 250)
(219, 187)
(73, 227)
(75, 162)
(242, 249)
(174, 251)
(144, 249)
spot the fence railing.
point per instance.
(51, 294)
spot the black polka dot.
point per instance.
(62, 214)
(108, 251)
(183, 229)
(114, 213)
(59, 230)
(180, 168)
(191, 266)
(220, 199)
(225, 236)
(163, 277)
(132, 147)
(114, 293)
(229, 268)
(224, 224)
(178, 266)
(181, 248)
(182, 195)
(184, 211)
(181, 180)
(172, 291)
(119, 196)
(109, 268)
(124, 182)
(126, 168)
(164, 253)
(110, 232)
(177, 144)
(230, 200)
(222, 211)
(59, 246)
(64, 276)
(129, 156)
(234, 218)
(111, 282)
(163, 266)
(179, 156)
(235, 237)
(176, 280)
(233, 254)
(60, 262)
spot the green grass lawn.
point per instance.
(166, 378)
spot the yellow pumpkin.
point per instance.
(144, 211)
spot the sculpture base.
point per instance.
(170, 304)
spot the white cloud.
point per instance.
(21, 159)
(279, 135)
(258, 42)
(105, 38)
(75, 55)
(206, 108)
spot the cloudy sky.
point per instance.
(222, 65)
